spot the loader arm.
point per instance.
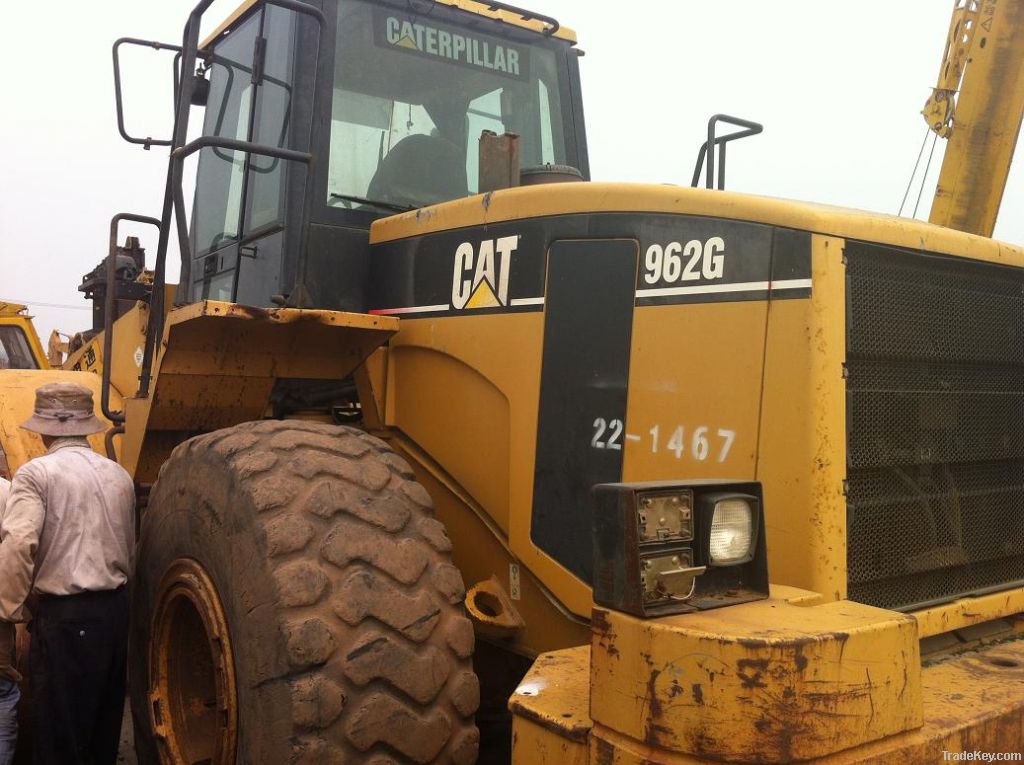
(977, 105)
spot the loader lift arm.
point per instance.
(977, 105)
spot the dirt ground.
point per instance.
(126, 755)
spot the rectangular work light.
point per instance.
(672, 547)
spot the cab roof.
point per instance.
(477, 7)
(11, 309)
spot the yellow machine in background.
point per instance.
(20, 349)
(413, 347)
(977, 105)
(24, 367)
(19, 344)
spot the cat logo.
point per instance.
(480, 278)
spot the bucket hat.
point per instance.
(63, 409)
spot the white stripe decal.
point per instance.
(792, 284)
(704, 289)
(413, 309)
(515, 302)
(708, 289)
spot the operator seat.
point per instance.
(420, 170)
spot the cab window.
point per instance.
(412, 93)
(15, 352)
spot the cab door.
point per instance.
(239, 219)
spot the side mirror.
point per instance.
(157, 46)
(200, 89)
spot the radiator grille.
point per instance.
(935, 416)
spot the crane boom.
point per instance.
(977, 105)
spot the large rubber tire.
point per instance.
(343, 608)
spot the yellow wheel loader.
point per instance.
(413, 348)
(19, 344)
(21, 359)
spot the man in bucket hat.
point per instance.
(67, 542)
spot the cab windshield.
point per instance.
(414, 87)
(15, 352)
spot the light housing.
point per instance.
(733, 522)
(673, 547)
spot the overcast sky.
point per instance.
(838, 86)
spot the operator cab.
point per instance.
(393, 119)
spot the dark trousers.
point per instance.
(79, 659)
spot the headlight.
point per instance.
(667, 548)
(732, 532)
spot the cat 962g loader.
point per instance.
(413, 347)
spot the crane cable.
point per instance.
(927, 167)
(913, 173)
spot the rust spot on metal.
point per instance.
(654, 730)
(704, 743)
(254, 312)
(655, 734)
(752, 644)
(599, 623)
(604, 632)
(652, 693)
(799, 659)
(750, 672)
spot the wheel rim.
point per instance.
(194, 707)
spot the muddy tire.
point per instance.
(341, 634)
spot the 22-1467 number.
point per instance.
(701, 444)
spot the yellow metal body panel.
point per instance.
(481, 551)
(219, 364)
(766, 680)
(537, 745)
(561, 199)
(129, 341)
(492, 390)
(966, 612)
(13, 315)
(986, 121)
(551, 723)
(666, 367)
(478, 378)
(456, 390)
(965, 703)
(469, 405)
(971, 703)
(802, 446)
(17, 399)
